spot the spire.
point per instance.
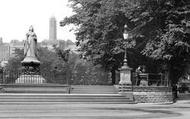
(52, 28)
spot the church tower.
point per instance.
(52, 29)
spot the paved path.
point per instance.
(78, 110)
(179, 110)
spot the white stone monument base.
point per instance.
(30, 79)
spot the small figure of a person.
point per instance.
(143, 69)
(138, 71)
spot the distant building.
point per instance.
(58, 43)
(52, 41)
(49, 44)
(4, 51)
(15, 44)
(52, 29)
(1, 40)
(68, 45)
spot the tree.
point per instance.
(99, 32)
(164, 25)
(13, 68)
(79, 71)
(159, 29)
(14, 63)
(48, 61)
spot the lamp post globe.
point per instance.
(125, 33)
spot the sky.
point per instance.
(16, 16)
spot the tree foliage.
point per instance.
(165, 26)
(100, 28)
(159, 29)
(14, 63)
(57, 66)
(11, 70)
(80, 71)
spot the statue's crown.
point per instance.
(31, 29)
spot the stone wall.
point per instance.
(149, 94)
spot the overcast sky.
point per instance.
(17, 15)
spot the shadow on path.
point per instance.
(150, 112)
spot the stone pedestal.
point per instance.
(125, 84)
(30, 74)
(125, 75)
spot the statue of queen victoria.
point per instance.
(30, 64)
(30, 47)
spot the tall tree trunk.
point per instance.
(175, 72)
(113, 76)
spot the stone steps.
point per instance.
(79, 98)
(57, 88)
(93, 89)
(40, 88)
(35, 90)
(59, 93)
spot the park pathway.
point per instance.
(71, 110)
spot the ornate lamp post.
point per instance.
(125, 71)
(125, 36)
(125, 84)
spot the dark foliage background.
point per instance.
(159, 33)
